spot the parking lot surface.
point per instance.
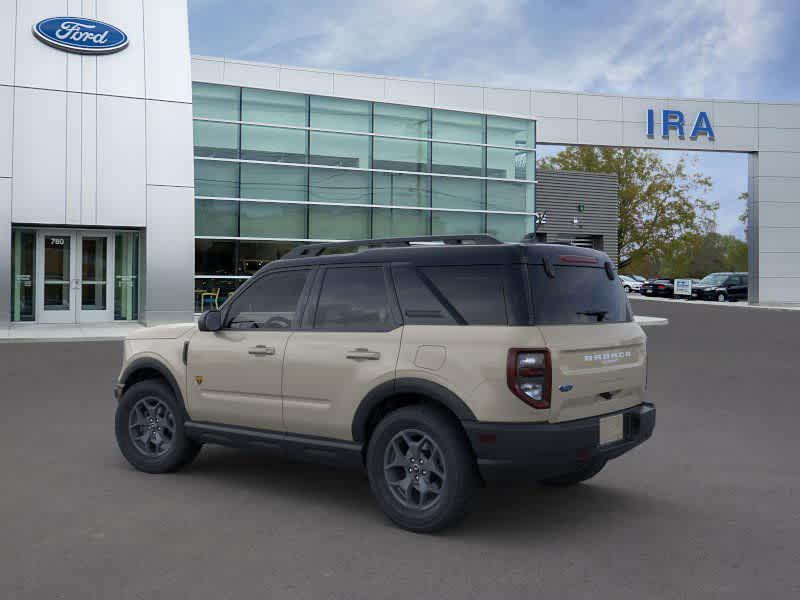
(708, 508)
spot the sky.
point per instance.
(732, 49)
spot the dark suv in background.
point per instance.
(722, 287)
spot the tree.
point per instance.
(659, 202)
(697, 255)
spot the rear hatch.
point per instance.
(597, 352)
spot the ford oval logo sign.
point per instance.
(84, 36)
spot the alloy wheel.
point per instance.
(414, 469)
(151, 426)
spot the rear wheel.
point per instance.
(576, 476)
(149, 428)
(420, 469)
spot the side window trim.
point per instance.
(301, 302)
(310, 314)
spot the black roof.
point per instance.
(440, 250)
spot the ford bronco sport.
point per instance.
(435, 364)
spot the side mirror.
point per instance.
(211, 320)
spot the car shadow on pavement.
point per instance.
(502, 510)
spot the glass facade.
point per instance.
(276, 169)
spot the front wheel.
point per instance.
(149, 428)
(574, 477)
(421, 469)
(627, 289)
(721, 297)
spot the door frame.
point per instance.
(54, 316)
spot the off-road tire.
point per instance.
(165, 458)
(576, 476)
(455, 459)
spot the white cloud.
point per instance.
(687, 47)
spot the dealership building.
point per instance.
(139, 183)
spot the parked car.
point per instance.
(722, 287)
(639, 278)
(430, 367)
(629, 284)
(663, 288)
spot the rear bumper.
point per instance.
(539, 450)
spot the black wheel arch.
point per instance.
(145, 368)
(401, 392)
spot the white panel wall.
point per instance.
(600, 108)
(167, 59)
(121, 73)
(39, 156)
(353, 86)
(5, 249)
(406, 91)
(121, 161)
(459, 97)
(214, 70)
(169, 259)
(239, 73)
(509, 102)
(8, 24)
(89, 159)
(74, 159)
(36, 64)
(169, 144)
(6, 128)
(306, 81)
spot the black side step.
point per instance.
(337, 453)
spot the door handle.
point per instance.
(261, 350)
(363, 354)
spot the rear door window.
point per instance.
(577, 295)
(354, 299)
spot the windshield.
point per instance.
(577, 295)
(714, 279)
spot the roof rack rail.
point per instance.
(309, 250)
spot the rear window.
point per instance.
(577, 295)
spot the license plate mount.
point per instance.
(612, 429)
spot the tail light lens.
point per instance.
(529, 376)
(661, 287)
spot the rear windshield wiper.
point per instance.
(600, 314)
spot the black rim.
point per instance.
(414, 470)
(151, 426)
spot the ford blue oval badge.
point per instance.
(565, 388)
(84, 36)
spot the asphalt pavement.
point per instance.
(708, 508)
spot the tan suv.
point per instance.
(435, 364)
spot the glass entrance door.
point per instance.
(74, 272)
(94, 302)
(56, 277)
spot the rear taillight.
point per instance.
(529, 376)
(661, 287)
